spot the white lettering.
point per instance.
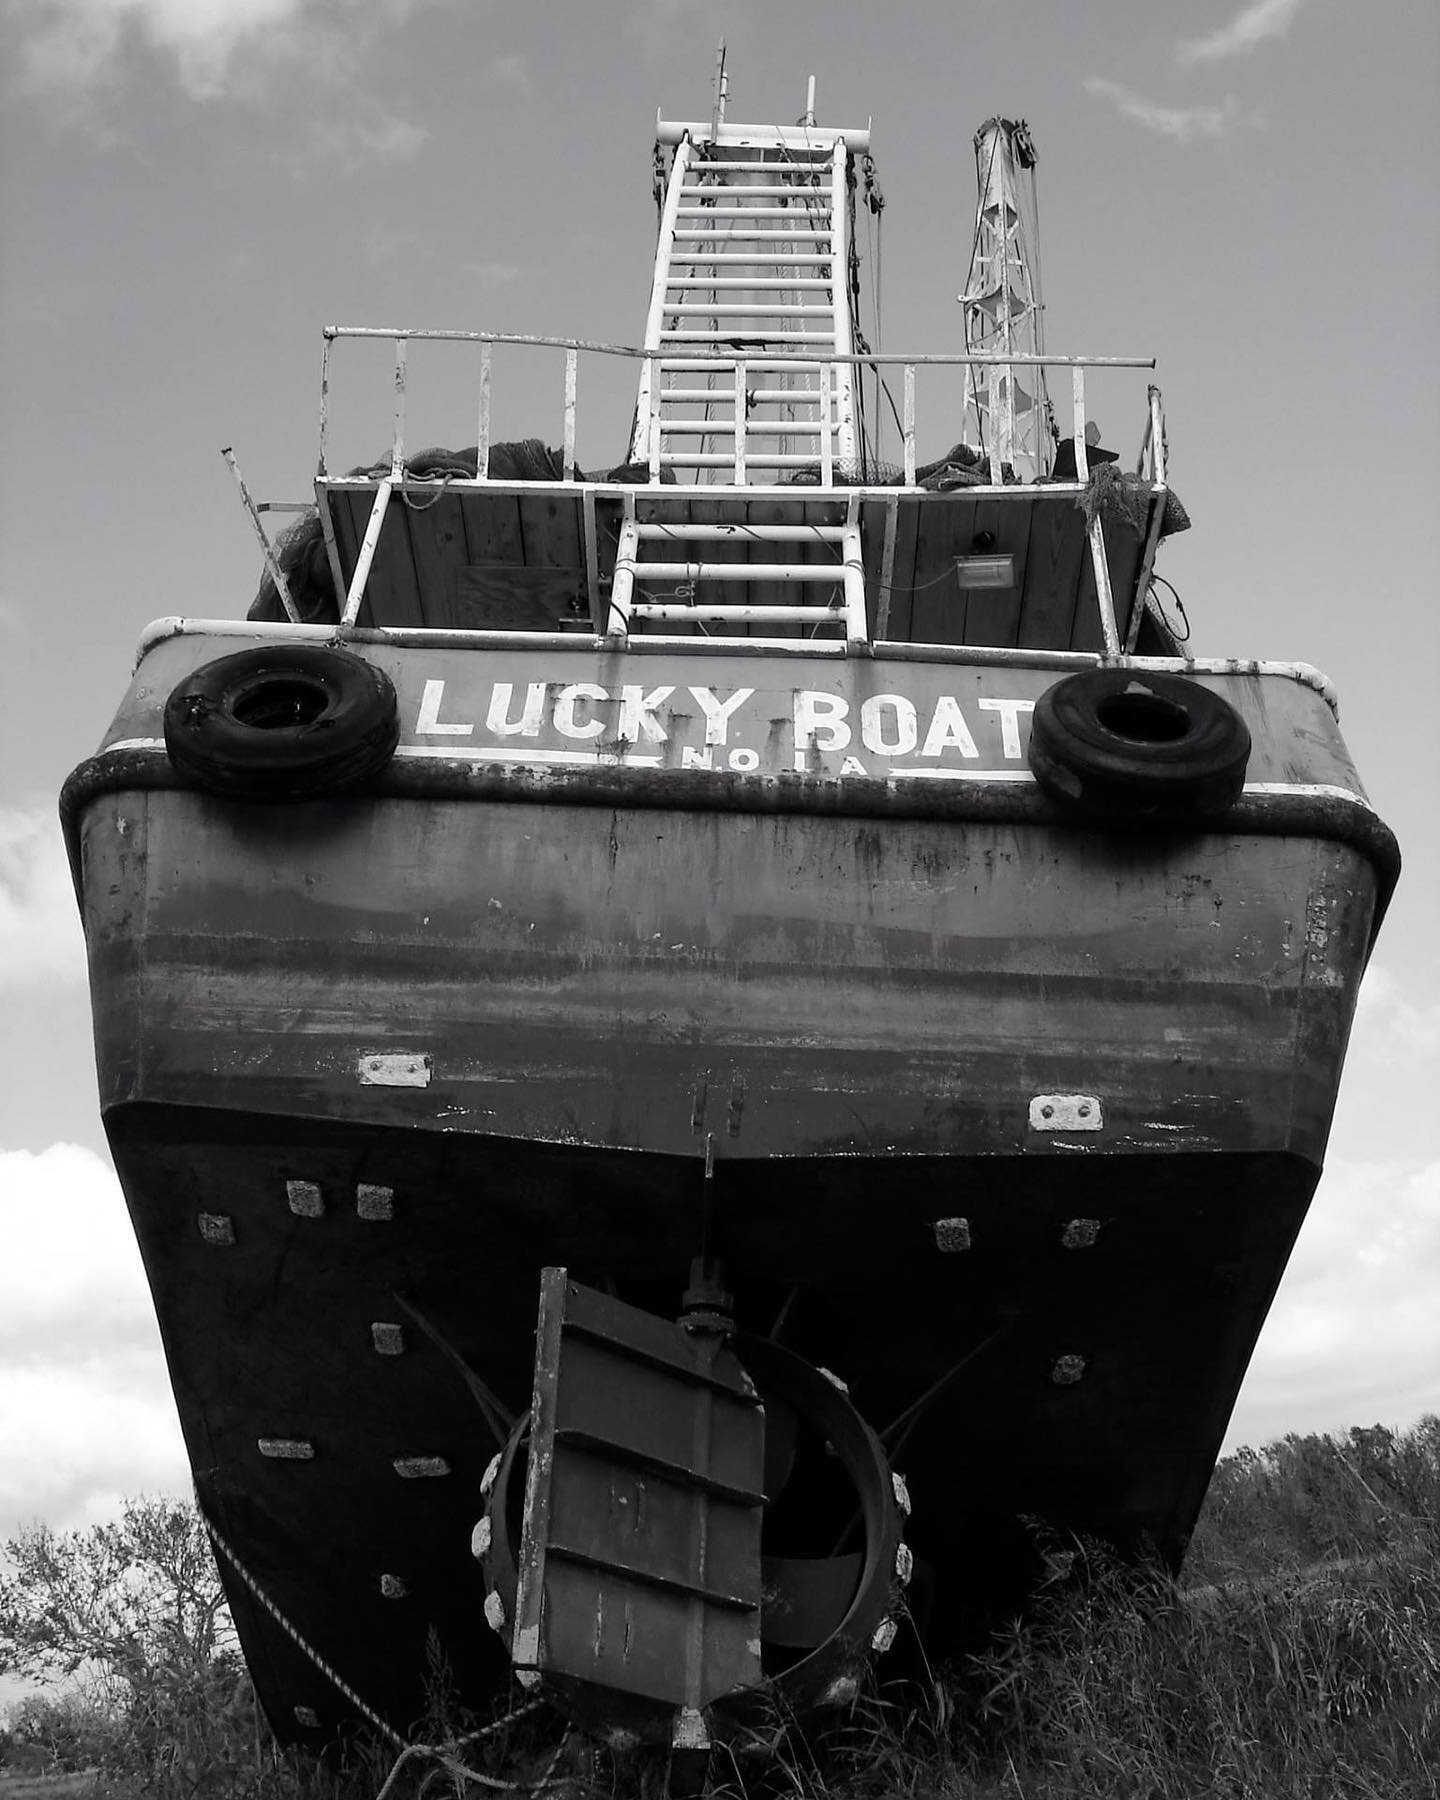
(852, 765)
(745, 760)
(1009, 711)
(498, 717)
(816, 713)
(429, 722)
(872, 725)
(717, 712)
(691, 758)
(636, 707)
(565, 721)
(948, 730)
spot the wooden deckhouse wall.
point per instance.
(473, 558)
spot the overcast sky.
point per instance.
(192, 188)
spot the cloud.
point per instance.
(77, 44)
(214, 48)
(86, 1414)
(1251, 27)
(512, 72)
(1389, 1026)
(1354, 1335)
(370, 136)
(1182, 123)
(40, 935)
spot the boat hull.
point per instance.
(382, 1058)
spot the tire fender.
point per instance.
(1118, 744)
(282, 722)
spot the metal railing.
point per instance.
(731, 370)
(734, 372)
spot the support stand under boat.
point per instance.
(693, 1536)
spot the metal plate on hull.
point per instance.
(639, 1567)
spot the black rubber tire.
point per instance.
(282, 722)
(1118, 744)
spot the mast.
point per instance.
(1007, 408)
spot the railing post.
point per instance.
(909, 418)
(397, 442)
(1077, 389)
(742, 414)
(652, 424)
(367, 554)
(827, 448)
(482, 433)
(277, 574)
(324, 406)
(567, 465)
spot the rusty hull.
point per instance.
(410, 1047)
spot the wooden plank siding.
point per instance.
(1055, 552)
(465, 559)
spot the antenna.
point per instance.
(722, 93)
(809, 118)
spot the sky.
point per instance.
(191, 189)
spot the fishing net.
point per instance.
(1114, 494)
(300, 551)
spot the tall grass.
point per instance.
(1298, 1659)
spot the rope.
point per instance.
(444, 1753)
(232, 1556)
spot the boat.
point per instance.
(700, 1054)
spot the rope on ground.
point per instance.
(444, 1754)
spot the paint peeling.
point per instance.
(374, 1203)
(480, 1537)
(216, 1228)
(1080, 1234)
(305, 1199)
(951, 1235)
(420, 1468)
(1067, 1370)
(403, 1069)
(494, 1612)
(286, 1449)
(1066, 1112)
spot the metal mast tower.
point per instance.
(1003, 310)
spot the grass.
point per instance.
(1299, 1659)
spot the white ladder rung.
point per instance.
(738, 212)
(762, 259)
(719, 396)
(816, 339)
(722, 309)
(653, 531)
(726, 365)
(806, 234)
(796, 574)
(762, 168)
(790, 189)
(700, 459)
(762, 428)
(799, 283)
(759, 615)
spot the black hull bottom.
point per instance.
(1082, 1322)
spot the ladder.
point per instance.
(751, 272)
